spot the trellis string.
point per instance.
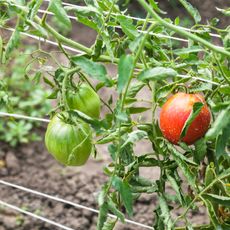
(67, 202)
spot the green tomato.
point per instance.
(70, 144)
(85, 99)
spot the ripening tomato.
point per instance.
(70, 144)
(175, 113)
(84, 99)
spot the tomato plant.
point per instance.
(154, 56)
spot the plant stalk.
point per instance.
(183, 32)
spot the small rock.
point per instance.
(4, 172)
(12, 163)
(9, 222)
(2, 154)
(59, 209)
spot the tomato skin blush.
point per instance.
(175, 113)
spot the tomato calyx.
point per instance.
(68, 117)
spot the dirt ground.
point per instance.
(31, 166)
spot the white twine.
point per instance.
(68, 202)
(34, 215)
(119, 27)
(24, 117)
(139, 19)
(45, 40)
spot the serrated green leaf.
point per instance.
(112, 135)
(53, 95)
(1, 49)
(176, 186)
(225, 89)
(93, 69)
(194, 113)
(191, 10)
(165, 214)
(210, 174)
(146, 189)
(135, 136)
(200, 150)
(192, 49)
(223, 200)
(165, 90)
(133, 46)
(155, 6)
(83, 10)
(38, 28)
(12, 43)
(113, 208)
(87, 22)
(222, 141)
(37, 77)
(122, 116)
(107, 40)
(55, 6)
(125, 192)
(212, 214)
(148, 162)
(34, 6)
(222, 121)
(127, 26)
(181, 161)
(91, 3)
(125, 69)
(109, 224)
(201, 88)
(220, 106)
(136, 110)
(103, 213)
(157, 73)
(48, 82)
(134, 89)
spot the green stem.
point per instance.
(135, 61)
(181, 31)
(221, 177)
(76, 45)
(63, 39)
(221, 69)
(64, 90)
(196, 227)
(123, 100)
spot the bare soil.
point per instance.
(31, 166)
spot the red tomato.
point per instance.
(175, 113)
